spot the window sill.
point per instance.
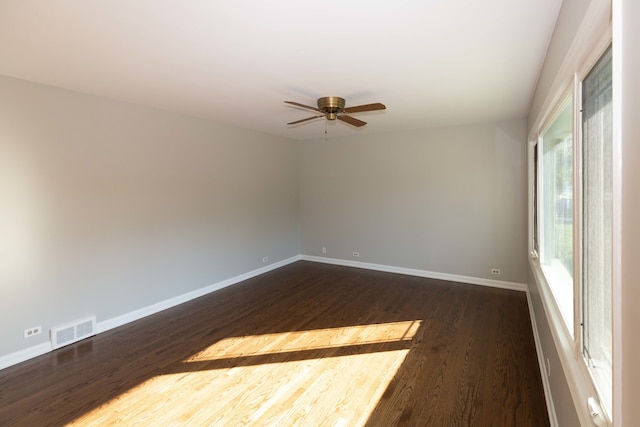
(560, 283)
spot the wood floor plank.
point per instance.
(307, 344)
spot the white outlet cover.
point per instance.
(36, 330)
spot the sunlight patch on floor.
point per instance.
(327, 377)
(309, 340)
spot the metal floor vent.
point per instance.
(73, 332)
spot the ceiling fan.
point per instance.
(332, 107)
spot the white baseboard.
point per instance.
(551, 409)
(105, 325)
(132, 316)
(420, 273)
(23, 355)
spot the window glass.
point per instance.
(556, 210)
(597, 163)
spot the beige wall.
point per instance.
(569, 19)
(107, 207)
(450, 200)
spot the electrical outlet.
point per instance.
(495, 271)
(324, 250)
(548, 367)
(36, 330)
(265, 259)
(356, 254)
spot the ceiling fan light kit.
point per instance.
(333, 107)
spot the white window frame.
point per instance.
(592, 39)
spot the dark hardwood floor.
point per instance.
(305, 345)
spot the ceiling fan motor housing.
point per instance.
(331, 106)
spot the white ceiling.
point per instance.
(432, 62)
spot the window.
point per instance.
(597, 189)
(556, 209)
(578, 272)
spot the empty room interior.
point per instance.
(319, 214)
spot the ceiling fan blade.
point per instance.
(304, 120)
(352, 121)
(366, 107)
(301, 105)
